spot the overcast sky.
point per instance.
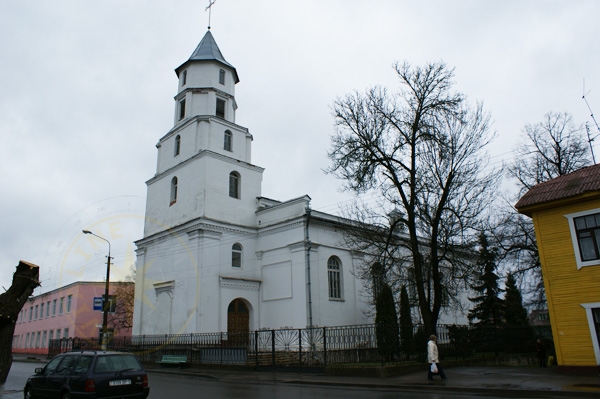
(87, 91)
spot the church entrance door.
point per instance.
(238, 323)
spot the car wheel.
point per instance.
(66, 395)
(27, 393)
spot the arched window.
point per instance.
(236, 255)
(227, 140)
(234, 185)
(378, 276)
(177, 145)
(173, 191)
(334, 267)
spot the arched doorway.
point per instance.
(238, 323)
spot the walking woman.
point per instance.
(433, 358)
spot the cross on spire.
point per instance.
(209, 9)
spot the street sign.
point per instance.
(98, 303)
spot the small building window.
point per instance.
(221, 76)
(227, 140)
(174, 183)
(61, 306)
(334, 277)
(184, 78)
(48, 309)
(588, 236)
(236, 255)
(234, 185)
(585, 236)
(42, 310)
(181, 109)
(177, 145)
(220, 111)
(54, 307)
(69, 303)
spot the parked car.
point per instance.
(89, 374)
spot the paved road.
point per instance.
(463, 383)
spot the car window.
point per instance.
(116, 363)
(66, 366)
(52, 364)
(83, 364)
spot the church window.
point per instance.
(236, 255)
(220, 112)
(181, 109)
(378, 276)
(177, 145)
(334, 277)
(234, 185)
(221, 76)
(227, 140)
(184, 78)
(173, 191)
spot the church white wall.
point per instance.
(206, 75)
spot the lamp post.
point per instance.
(106, 287)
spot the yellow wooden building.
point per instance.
(566, 217)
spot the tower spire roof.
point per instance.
(207, 50)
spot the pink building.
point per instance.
(67, 312)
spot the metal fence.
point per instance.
(316, 348)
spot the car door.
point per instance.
(40, 384)
(60, 377)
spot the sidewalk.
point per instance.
(510, 381)
(533, 382)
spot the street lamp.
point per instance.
(106, 286)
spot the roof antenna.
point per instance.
(587, 127)
(209, 9)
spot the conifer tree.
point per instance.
(515, 315)
(386, 323)
(488, 304)
(407, 339)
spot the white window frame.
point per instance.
(236, 251)
(334, 275)
(588, 311)
(174, 190)
(235, 185)
(570, 217)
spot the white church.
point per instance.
(218, 256)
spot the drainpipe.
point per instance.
(308, 283)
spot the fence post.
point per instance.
(273, 348)
(221, 335)
(325, 346)
(256, 348)
(300, 347)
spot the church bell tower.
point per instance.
(204, 167)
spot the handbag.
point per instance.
(434, 368)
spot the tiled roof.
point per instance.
(581, 181)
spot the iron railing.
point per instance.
(315, 348)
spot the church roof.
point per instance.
(584, 181)
(207, 50)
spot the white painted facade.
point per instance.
(186, 276)
(186, 279)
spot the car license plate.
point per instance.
(116, 383)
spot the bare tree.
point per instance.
(550, 148)
(421, 151)
(25, 280)
(122, 318)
